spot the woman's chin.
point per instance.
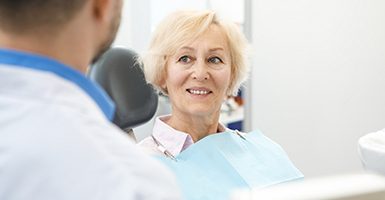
(200, 110)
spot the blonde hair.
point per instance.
(182, 27)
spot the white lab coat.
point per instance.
(56, 144)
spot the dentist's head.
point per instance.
(74, 32)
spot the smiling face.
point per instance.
(198, 75)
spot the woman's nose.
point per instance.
(200, 71)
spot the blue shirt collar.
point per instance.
(38, 62)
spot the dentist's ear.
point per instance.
(103, 10)
(99, 8)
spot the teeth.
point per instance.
(199, 92)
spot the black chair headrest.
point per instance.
(121, 76)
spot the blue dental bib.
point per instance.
(220, 163)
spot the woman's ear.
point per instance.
(163, 77)
(162, 81)
(229, 92)
(162, 85)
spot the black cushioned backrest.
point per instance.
(121, 76)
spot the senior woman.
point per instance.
(198, 60)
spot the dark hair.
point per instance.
(22, 15)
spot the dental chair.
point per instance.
(120, 75)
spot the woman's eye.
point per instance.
(215, 60)
(184, 59)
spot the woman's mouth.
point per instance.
(199, 91)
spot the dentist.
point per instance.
(56, 138)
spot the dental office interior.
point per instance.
(317, 79)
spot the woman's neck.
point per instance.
(197, 127)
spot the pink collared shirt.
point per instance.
(171, 139)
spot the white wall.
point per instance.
(134, 31)
(318, 78)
